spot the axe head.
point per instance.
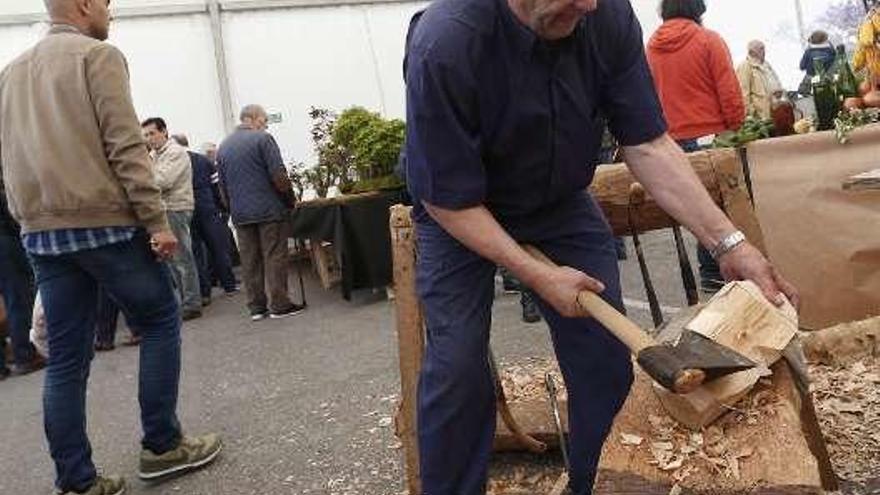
(694, 360)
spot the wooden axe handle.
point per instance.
(625, 330)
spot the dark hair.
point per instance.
(686, 9)
(159, 122)
(818, 37)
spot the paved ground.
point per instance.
(304, 404)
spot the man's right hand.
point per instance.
(164, 244)
(559, 287)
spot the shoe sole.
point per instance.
(259, 317)
(285, 315)
(184, 468)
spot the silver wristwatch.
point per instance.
(727, 244)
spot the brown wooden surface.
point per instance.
(410, 338)
(626, 469)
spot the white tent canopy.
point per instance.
(335, 54)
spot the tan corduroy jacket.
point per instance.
(758, 82)
(71, 150)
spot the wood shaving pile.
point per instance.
(524, 381)
(519, 480)
(675, 449)
(847, 402)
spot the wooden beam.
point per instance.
(410, 338)
(721, 173)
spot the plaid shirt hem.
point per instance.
(65, 241)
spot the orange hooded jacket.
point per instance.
(695, 79)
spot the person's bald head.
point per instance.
(255, 117)
(91, 17)
(757, 50)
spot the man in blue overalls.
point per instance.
(505, 100)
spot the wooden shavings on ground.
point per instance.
(524, 381)
(848, 405)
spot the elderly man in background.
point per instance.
(79, 181)
(173, 171)
(255, 182)
(759, 82)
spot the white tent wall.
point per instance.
(173, 75)
(290, 55)
(291, 60)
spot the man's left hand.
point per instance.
(745, 262)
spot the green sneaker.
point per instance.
(104, 485)
(191, 454)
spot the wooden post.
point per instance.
(410, 338)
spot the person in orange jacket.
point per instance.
(698, 89)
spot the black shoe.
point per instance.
(530, 311)
(294, 309)
(4, 373)
(259, 314)
(36, 364)
(233, 291)
(104, 346)
(206, 301)
(191, 314)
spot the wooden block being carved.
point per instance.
(741, 318)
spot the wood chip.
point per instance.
(628, 439)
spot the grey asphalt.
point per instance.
(304, 404)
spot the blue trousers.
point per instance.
(142, 287)
(456, 404)
(210, 238)
(17, 285)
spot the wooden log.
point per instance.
(738, 317)
(410, 338)
(844, 344)
(744, 457)
(721, 173)
(536, 419)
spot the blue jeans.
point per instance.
(142, 287)
(17, 284)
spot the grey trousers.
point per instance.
(183, 264)
(263, 249)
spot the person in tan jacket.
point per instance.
(79, 181)
(173, 170)
(758, 81)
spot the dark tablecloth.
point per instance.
(358, 228)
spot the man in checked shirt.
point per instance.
(79, 181)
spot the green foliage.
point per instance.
(373, 142)
(357, 151)
(753, 128)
